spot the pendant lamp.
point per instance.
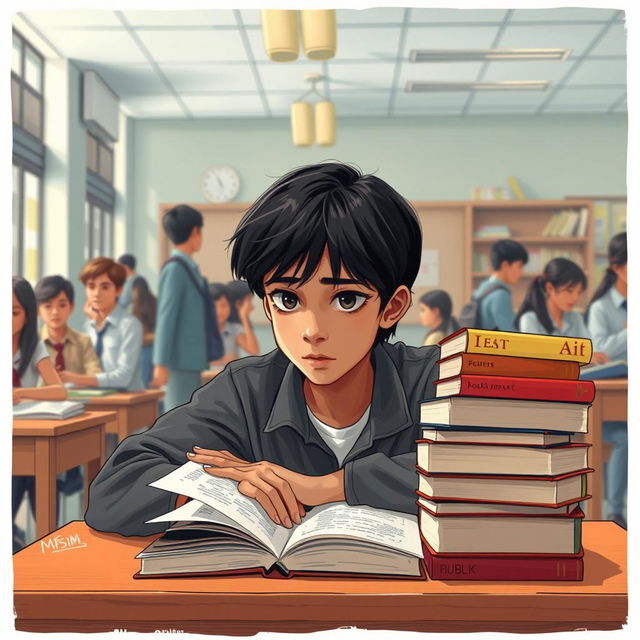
(325, 118)
(280, 34)
(302, 124)
(319, 35)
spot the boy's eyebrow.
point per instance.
(339, 281)
(282, 280)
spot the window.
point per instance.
(98, 231)
(27, 80)
(27, 222)
(99, 158)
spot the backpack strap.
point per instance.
(199, 287)
(491, 289)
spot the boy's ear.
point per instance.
(397, 306)
(265, 306)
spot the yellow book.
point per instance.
(521, 345)
(515, 187)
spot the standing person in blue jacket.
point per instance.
(508, 257)
(180, 345)
(128, 261)
(607, 321)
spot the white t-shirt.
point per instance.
(229, 333)
(340, 441)
(30, 376)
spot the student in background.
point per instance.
(144, 307)
(241, 300)
(607, 321)
(548, 307)
(508, 257)
(220, 298)
(116, 335)
(435, 313)
(128, 261)
(30, 362)
(69, 349)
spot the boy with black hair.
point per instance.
(508, 257)
(332, 414)
(180, 343)
(69, 349)
(128, 261)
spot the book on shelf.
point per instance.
(90, 393)
(476, 436)
(601, 231)
(47, 409)
(581, 231)
(516, 388)
(440, 507)
(511, 533)
(490, 365)
(497, 413)
(523, 345)
(513, 567)
(493, 231)
(612, 369)
(501, 459)
(516, 189)
(551, 491)
(231, 533)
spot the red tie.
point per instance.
(59, 357)
(16, 378)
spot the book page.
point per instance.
(222, 494)
(386, 528)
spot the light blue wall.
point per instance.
(424, 158)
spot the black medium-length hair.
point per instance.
(237, 291)
(29, 334)
(560, 272)
(617, 256)
(441, 300)
(509, 250)
(179, 221)
(367, 227)
(128, 260)
(50, 287)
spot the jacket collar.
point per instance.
(71, 335)
(389, 411)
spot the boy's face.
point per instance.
(102, 292)
(512, 271)
(326, 327)
(56, 311)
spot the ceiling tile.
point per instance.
(193, 46)
(600, 72)
(576, 108)
(574, 14)
(178, 18)
(438, 72)
(480, 37)
(387, 15)
(426, 111)
(73, 18)
(250, 17)
(497, 109)
(604, 97)
(361, 75)
(576, 37)
(374, 43)
(129, 79)
(288, 76)
(614, 42)
(108, 47)
(156, 106)
(526, 70)
(357, 103)
(225, 106)
(440, 99)
(280, 103)
(210, 77)
(457, 15)
(509, 98)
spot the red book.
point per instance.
(507, 387)
(539, 567)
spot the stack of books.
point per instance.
(500, 477)
(47, 410)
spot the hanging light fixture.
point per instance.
(319, 35)
(280, 34)
(303, 129)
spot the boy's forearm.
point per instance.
(51, 392)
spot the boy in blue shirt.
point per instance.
(508, 257)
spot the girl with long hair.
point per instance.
(548, 306)
(607, 321)
(435, 313)
(241, 301)
(144, 307)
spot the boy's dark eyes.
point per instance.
(285, 300)
(342, 301)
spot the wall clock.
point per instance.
(220, 183)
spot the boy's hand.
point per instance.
(16, 396)
(160, 376)
(280, 491)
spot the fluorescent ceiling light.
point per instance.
(478, 55)
(507, 85)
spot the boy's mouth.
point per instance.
(318, 357)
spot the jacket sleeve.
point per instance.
(120, 499)
(497, 306)
(128, 357)
(170, 303)
(390, 482)
(90, 360)
(614, 344)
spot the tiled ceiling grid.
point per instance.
(190, 64)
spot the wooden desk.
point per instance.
(133, 410)
(45, 448)
(89, 588)
(610, 403)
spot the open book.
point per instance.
(231, 533)
(47, 409)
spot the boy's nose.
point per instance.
(312, 332)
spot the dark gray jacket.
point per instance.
(256, 409)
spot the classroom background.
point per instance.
(119, 115)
